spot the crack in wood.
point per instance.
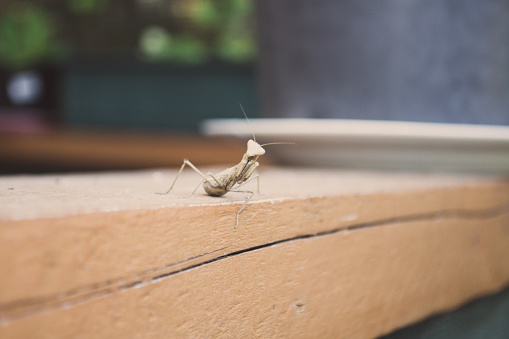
(22, 309)
(109, 285)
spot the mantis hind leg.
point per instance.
(201, 182)
(188, 163)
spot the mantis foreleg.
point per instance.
(248, 181)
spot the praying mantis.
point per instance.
(232, 178)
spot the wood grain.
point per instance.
(81, 150)
(101, 255)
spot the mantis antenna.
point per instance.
(250, 127)
(279, 143)
(252, 132)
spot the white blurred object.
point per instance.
(25, 88)
(377, 144)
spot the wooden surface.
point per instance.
(322, 253)
(85, 150)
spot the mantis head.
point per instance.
(254, 149)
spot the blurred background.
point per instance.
(127, 63)
(124, 84)
(114, 84)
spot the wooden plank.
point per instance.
(79, 150)
(101, 255)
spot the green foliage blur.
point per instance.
(157, 44)
(87, 6)
(35, 32)
(26, 37)
(233, 22)
(223, 29)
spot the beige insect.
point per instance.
(231, 179)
